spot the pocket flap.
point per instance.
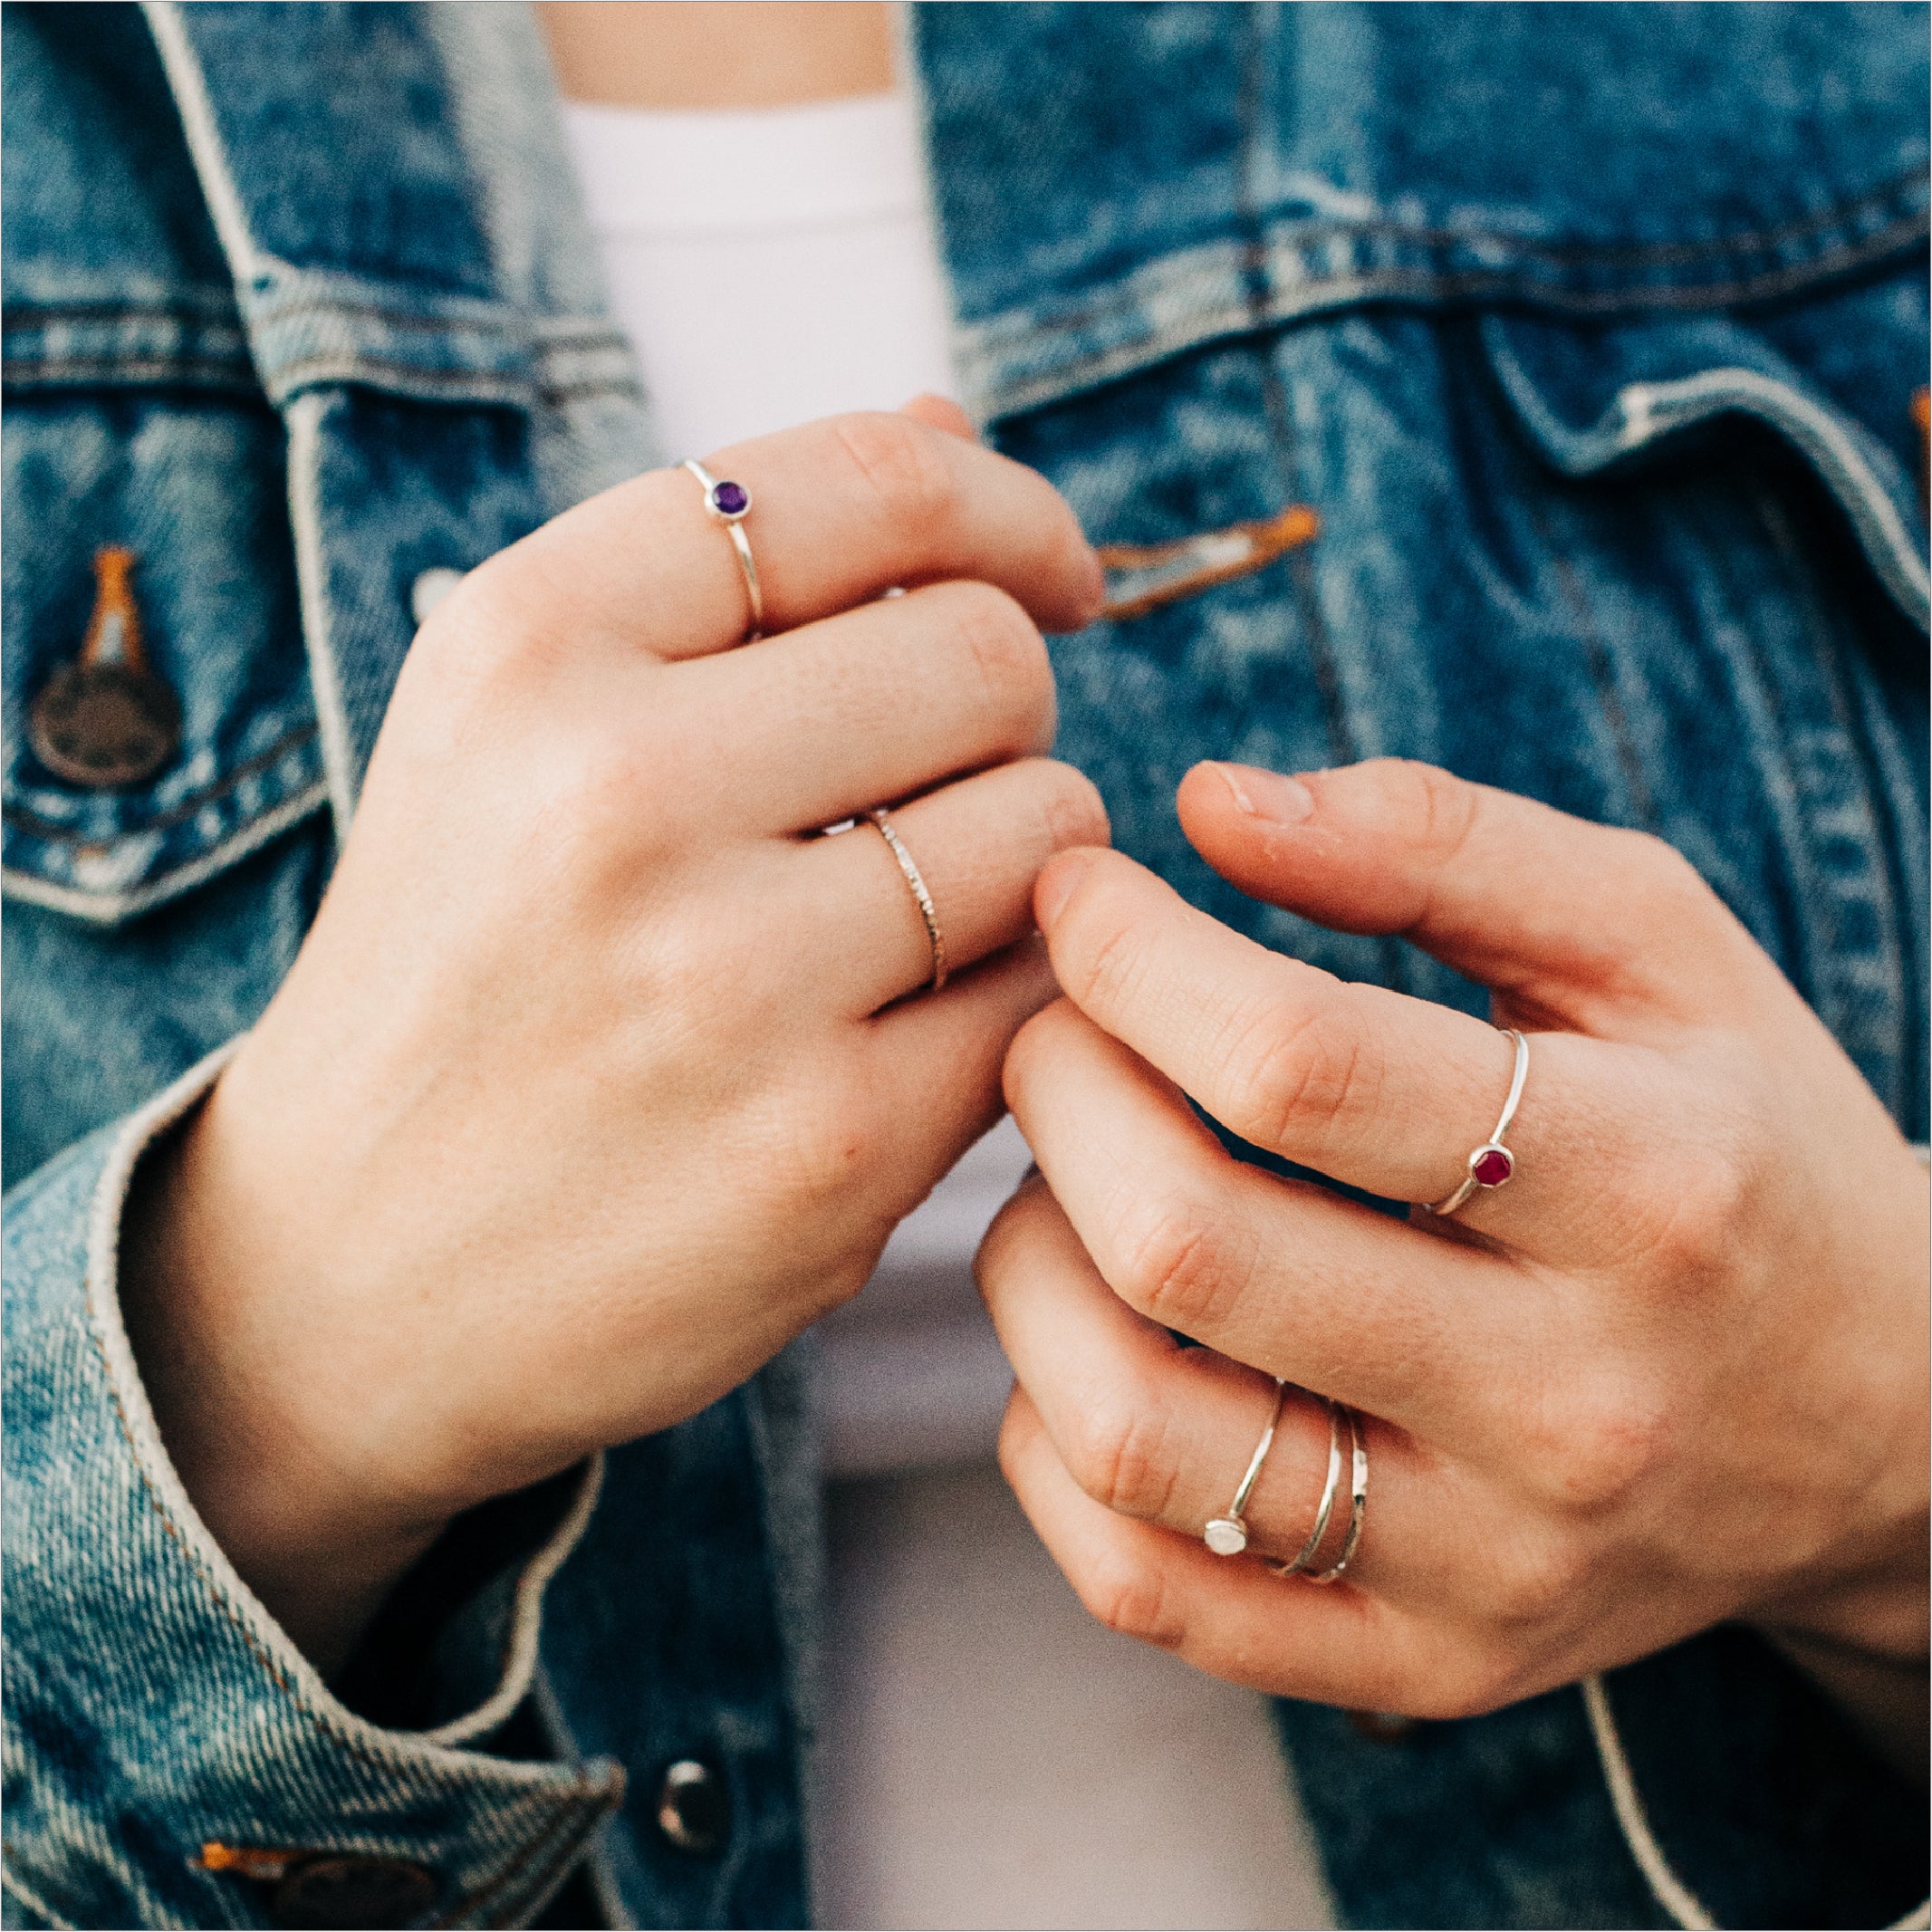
(1592, 398)
(213, 600)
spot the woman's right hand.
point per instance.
(595, 1080)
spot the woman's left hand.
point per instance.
(1674, 1373)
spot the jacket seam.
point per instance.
(515, 323)
(106, 908)
(1741, 240)
(997, 337)
(28, 370)
(55, 835)
(350, 366)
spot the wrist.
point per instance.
(318, 1544)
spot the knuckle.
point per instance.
(1133, 1598)
(1006, 653)
(1695, 1241)
(1438, 809)
(1290, 1068)
(900, 463)
(1599, 1447)
(1538, 1584)
(1182, 1264)
(1484, 1680)
(822, 1145)
(1121, 1453)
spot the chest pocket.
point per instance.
(158, 722)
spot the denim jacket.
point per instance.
(1590, 335)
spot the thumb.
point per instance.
(1568, 922)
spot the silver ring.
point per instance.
(728, 504)
(1326, 1507)
(1491, 1164)
(921, 896)
(1358, 1500)
(1228, 1536)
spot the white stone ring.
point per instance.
(1228, 1536)
(1491, 1164)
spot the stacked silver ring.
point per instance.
(1228, 1536)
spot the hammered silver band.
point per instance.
(727, 504)
(1357, 1501)
(1491, 1164)
(908, 866)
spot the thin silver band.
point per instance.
(1358, 1500)
(733, 522)
(1228, 1536)
(921, 896)
(1326, 1507)
(1471, 1180)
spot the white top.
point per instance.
(989, 1756)
(773, 266)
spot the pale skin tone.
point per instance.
(597, 1081)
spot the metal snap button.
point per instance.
(430, 588)
(352, 1890)
(694, 1807)
(107, 719)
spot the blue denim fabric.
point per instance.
(1590, 333)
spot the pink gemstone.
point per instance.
(1493, 1166)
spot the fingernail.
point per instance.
(1268, 794)
(1056, 886)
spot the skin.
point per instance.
(1673, 1373)
(700, 54)
(547, 1142)
(596, 1080)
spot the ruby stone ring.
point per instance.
(1491, 1163)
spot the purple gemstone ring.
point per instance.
(1491, 1164)
(728, 502)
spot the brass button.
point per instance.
(350, 1889)
(104, 725)
(694, 1808)
(107, 719)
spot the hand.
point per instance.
(1673, 1372)
(596, 1080)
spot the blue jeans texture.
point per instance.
(1590, 333)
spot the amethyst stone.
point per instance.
(730, 499)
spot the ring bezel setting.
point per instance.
(728, 502)
(1491, 1164)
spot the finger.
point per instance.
(871, 705)
(978, 845)
(841, 511)
(1165, 1433)
(1445, 1338)
(940, 412)
(930, 1068)
(1388, 1093)
(1573, 924)
(1234, 1620)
